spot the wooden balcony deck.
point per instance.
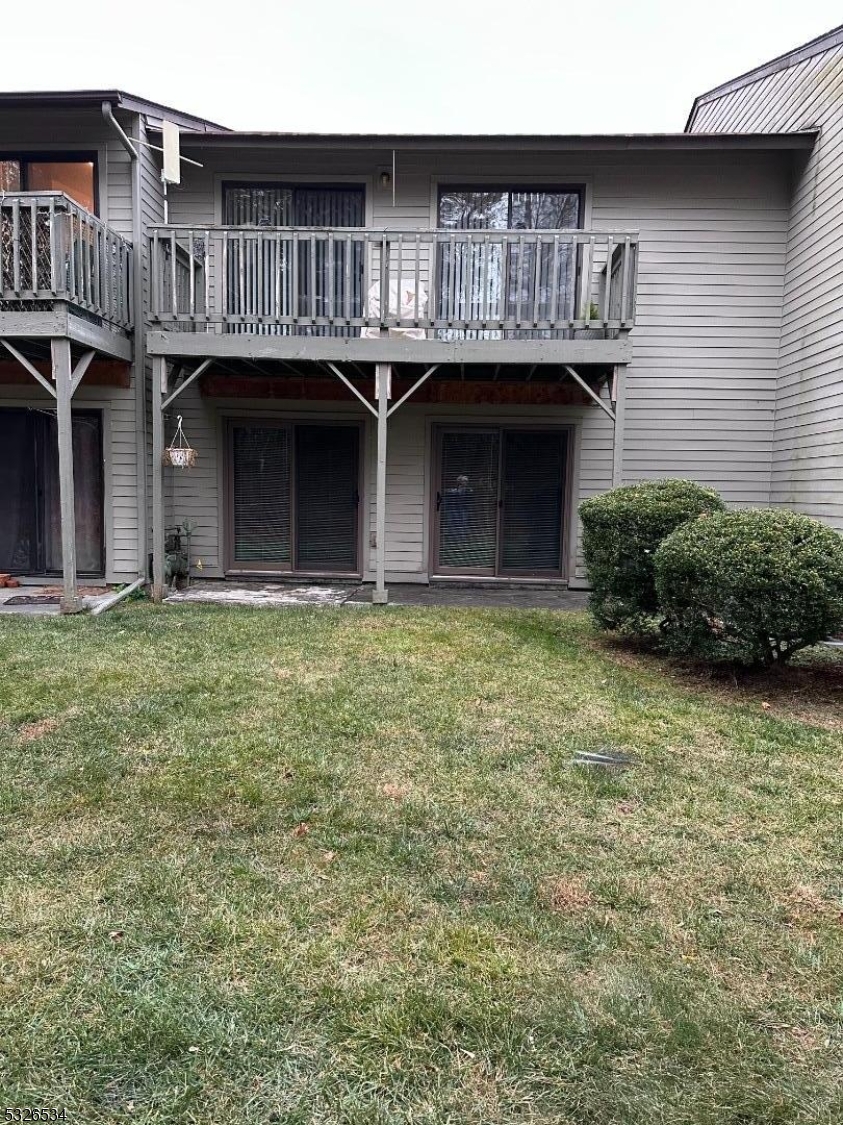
(63, 272)
(441, 296)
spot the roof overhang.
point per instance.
(119, 99)
(624, 142)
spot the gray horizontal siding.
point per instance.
(808, 437)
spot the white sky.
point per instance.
(526, 66)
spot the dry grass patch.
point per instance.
(31, 732)
(566, 895)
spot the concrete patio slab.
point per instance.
(224, 593)
(30, 600)
(281, 594)
(482, 597)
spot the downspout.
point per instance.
(138, 330)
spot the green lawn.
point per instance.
(336, 866)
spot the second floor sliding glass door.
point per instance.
(268, 276)
(491, 280)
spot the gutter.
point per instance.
(138, 331)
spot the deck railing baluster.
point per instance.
(294, 296)
(16, 248)
(606, 310)
(537, 265)
(33, 245)
(223, 306)
(191, 276)
(349, 244)
(384, 279)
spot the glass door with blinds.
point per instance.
(271, 276)
(500, 501)
(30, 511)
(293, 497)
(494, 280)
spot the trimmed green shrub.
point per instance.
(621, 531)
(750, 587)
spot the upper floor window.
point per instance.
(477, 208)
(75, 177)
(302, 205)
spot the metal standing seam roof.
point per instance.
(790, 58)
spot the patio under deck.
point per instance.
(517, 315)
(381, 388)
(275, 595)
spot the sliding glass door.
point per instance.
(500, 501)
(267, 277)
(30, 513)
(293, 497)
(493, 280)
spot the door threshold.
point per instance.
(56, 579)
(288, 579)
(479, 582)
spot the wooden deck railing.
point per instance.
(284, 279)
(51, 249)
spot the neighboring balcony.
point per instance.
(63, 272)
(514, 296)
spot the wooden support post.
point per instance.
(159, 387)
(62, 377)
(619, 395)
(383, 379)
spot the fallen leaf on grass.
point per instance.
(301, 830)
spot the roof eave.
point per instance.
(119, 99)
(795, 140)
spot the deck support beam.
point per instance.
(159, 390)
(63, 379)
(592, 394)
(619, 405)
(27, 366)
(418, 383)
(383, 381)
(162, 397)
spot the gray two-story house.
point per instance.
(408, 358)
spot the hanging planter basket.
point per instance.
(179, 453)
